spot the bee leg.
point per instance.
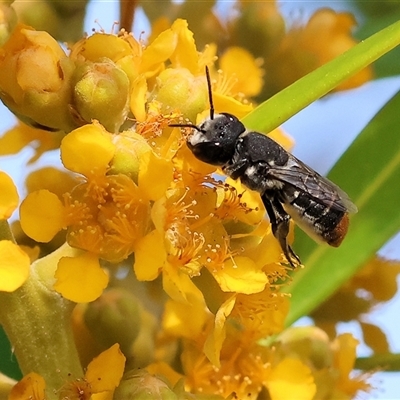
(279, 219)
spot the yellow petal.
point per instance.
(21, 135)
(155, 175)
(247, 75)
(230, 105)
(213, 345)
(42, 215)
(8, 196)
(31, 386)
(345, 357)
(102, 45)
(87, 150)
(240, 275)
(178, 285)
(150, 256)
(158, 51)
(106, 370)
(184, 320)
(185, 55)
(14, 266)
(291, 379)
(138, 98)
(52, 179)
(80, 279)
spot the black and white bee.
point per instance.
(288, 187)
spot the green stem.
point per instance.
(385, 362)
(37, 322)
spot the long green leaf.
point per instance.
(273, 112)
(369, 171)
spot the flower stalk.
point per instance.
(35, 317)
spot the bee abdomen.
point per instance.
(320, 221)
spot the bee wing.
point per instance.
(307, 180)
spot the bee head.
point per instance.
(213, 141)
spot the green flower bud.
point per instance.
(179, 90)
(35, 79)
(129, 149)
(101, 92)
(114, 318)
(140, 385)
(309, 344)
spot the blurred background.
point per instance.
(322, 131)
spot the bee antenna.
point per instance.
(210, 93)
(185, 126)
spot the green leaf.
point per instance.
(273, 112)
(387, 65)
(369, 171)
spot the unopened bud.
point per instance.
(140, 385)
(179, 90)
(101, 92)
(309, 344)
(114, 318)
(35, 79)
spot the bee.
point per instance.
(289, 189)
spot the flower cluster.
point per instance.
(134, 195)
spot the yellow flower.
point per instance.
(102, 376)
(21, 136)
(326, 35)
(246, 76)
(330, 363)
(348, 384)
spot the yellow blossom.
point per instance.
(344, 356)
(246, 76)
(303, 49)
(52, 179)
(103, 375)
(22, 135)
